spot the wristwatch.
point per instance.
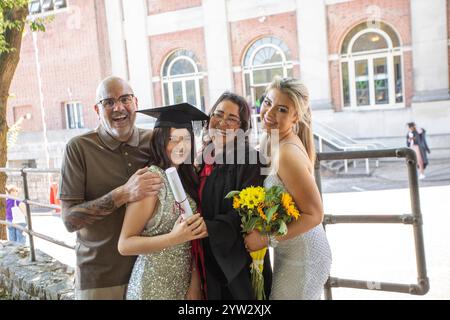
(273, 242)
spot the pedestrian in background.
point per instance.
(15, 213)
(416, 140)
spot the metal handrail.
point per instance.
(38, 235)
(24, 173)
(415, 220)
(339, 133)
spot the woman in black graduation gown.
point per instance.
(226, 260)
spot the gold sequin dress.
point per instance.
(165, 274)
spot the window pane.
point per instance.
(369, 41)
(265, 76)
(398, 79)
(267, 55)
(259, 93)
(381, 82)
(202, 95)
(70, 116)
(166, 93)
(345, 85)
(47, 5)
(190, 93)
(80, 116)
(74, 115)
(391, 33)
(182, 67)
(60, 4)
(177, 92)
(362, 83)
(247, 83)
(180, 53)
(34, 7)
(261, 42)
(290, 72)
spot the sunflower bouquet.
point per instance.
(268, 210)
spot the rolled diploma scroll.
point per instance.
(178, 191)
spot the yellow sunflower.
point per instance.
(251, 197)
(236, 203)
(289, 205)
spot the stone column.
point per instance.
(138, 50)
(117, 49)
(218, 48)
(430, 50)
(313, 51)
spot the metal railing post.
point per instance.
(327, 288)
(29, 223)
(423, 282)
(414, 219)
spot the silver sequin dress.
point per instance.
(166, 274)
(302, 264)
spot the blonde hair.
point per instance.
(299, 94)
(11, 188)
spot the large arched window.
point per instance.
(265, 58)
(182, 79)
(371, 67)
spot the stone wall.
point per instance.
(44, 279)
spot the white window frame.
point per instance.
(183, 78)
(77, 108)
(249, 69)
(53, 11)
(388, 53)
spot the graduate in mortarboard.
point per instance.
(153, 228)
(226, 259)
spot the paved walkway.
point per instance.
(391, 174)
(375, 252)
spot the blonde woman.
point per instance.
(302, 257)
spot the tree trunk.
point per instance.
(8, 63)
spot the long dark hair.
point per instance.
(159, 157)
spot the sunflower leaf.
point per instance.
(270, 212)
(231, 194)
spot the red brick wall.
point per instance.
(160, 6)
(244, 33)
(335, 83)
(71, 57)
(238, 83)
(161, 46)
(343, 17)
(408, 80)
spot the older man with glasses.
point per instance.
(101, 171)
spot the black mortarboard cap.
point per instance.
(177, 116)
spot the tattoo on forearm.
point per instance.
(77, 215)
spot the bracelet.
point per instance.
(273, 242)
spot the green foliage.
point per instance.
(268, 210)
(8, 22)
(231, 194)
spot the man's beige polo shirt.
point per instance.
(93, 165)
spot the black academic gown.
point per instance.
(227, 262)
(420, 140)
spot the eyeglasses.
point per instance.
(178, 139)
(228, 121)
(109, 103)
